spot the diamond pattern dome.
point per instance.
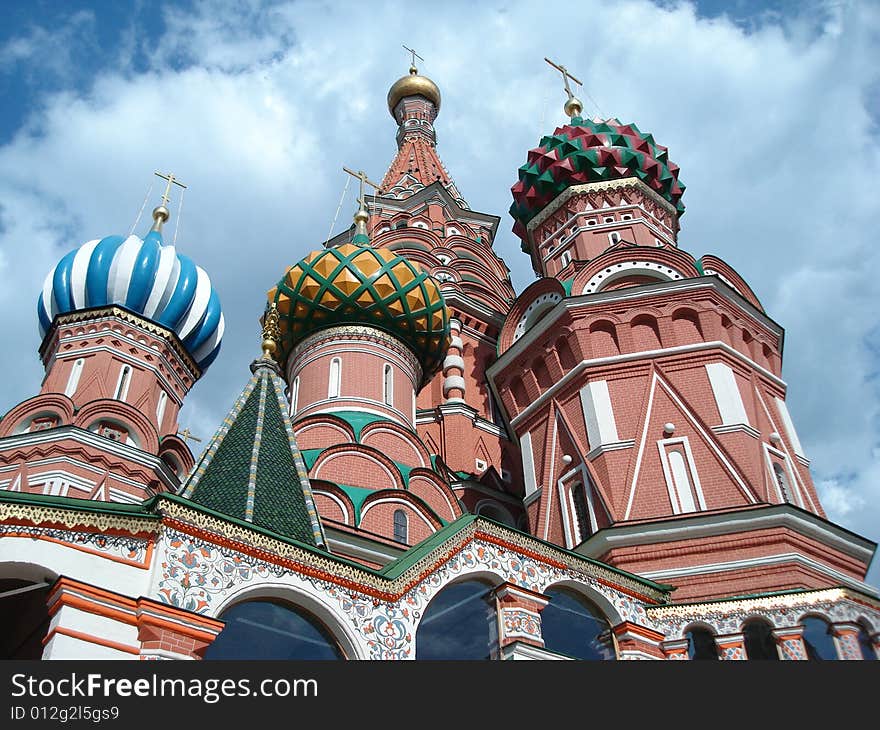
(587, 151)
(353, 284)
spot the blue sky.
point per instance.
(771, 109)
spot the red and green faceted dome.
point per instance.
(361, 285)
(586, 151)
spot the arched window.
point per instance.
(782, 482)
(681, 481)
(160, 408)
(388, 384)
(866, 645)
(266, 629)
(459, 623)
(818, 640)
(335, 378)
(701, 644)
(123, 383)
(759, 641)
(573, 626)
(73, 380)
(24, 617)
(401, 526)
(294, 396)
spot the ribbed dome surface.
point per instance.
(147, 278)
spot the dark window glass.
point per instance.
(818, 640)
(701, 644)
(272, 630)
(24, 618)
(759, 641)
(578, 496)
(866, 645)
(400, 526)
(573, 626)
(459, 623)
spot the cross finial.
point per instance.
(415, 55)
(171, 180)
(573, 105)
(186, 434)
(361, 217)
(362, 176)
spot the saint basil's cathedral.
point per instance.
(422, 464)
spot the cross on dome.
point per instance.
(573, 106)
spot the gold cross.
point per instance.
(565, 76)
(414, 56)
(185, 434)
(171, 181)
(362, 176)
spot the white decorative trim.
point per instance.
(611, 273)
(765, 560)
(578, 369)
(613, 446)
(738, 427)
(696, 526)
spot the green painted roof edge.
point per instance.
(138, 509)
(420, 550)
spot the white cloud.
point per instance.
(257, 110)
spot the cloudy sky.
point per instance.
(771, 110)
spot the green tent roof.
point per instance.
(252, 469)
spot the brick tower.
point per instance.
(644, 385)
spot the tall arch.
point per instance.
(573, 625)
(459, 623)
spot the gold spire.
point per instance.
(271, 332)
(573, 106)
(361, 217)
(161, 213)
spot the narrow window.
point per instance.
(294, 396)
(388, 384)
(581, 512)
(335, 377)
(124, 382)
(782, 482)
(73, 380)
(160, 408)
(613, 237)
(401, 528)
(565, 258)
(681, 481)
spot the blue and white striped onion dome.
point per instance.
(147, 278)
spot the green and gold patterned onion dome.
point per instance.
(360, 285)
(585, 151)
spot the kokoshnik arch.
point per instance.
(423, 464)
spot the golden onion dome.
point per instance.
(413, 85)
